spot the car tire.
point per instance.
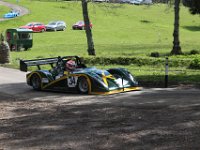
(12, 47)
(36, 82)
(83, 85)
(82, 28)
(42, 30)
(18, 48)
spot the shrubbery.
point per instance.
(195, 64)
(155, 54)
(194, 52)
(140, 61)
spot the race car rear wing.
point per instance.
(24, 64)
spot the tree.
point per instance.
(194, 6)
(4, 50)
(91, 50)
(176, 50)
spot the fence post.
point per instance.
(166, 72)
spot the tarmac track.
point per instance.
(151, 119)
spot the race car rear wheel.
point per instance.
(36, 82)
(83, 85)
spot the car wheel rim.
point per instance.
(36, 83)
(83, 86)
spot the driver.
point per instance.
(70, 65)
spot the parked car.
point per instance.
(80, 25)
(100, 1)
(82, 79)
(56, 25)
(137, 2)
(124, 1)
(35, 26)
(12, 14)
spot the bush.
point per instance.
(155, 54)
(194, 52)
(140, 61)
(195, 64)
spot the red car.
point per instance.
(80, 25)
(35, 26)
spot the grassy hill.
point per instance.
(3, 10)
(118, 30)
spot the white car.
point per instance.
(100, 1)
(138, 2)
(148, 2)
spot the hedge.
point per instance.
(140, 61)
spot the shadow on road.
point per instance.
(123, 121)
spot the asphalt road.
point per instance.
(151, 119)
(13, 82)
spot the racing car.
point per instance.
(70, 74)
(12, 14)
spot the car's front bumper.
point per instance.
(8, 16)
(50, 29)
(76, 27)
(127, 89)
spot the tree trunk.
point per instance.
(91, 50)
(176, 44)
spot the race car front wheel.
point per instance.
(36, 82)
(83, 85)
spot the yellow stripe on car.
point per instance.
(118, 91)
(104, 77)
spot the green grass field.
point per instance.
(118, 30)
(3, 10)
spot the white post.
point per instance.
(166, 73)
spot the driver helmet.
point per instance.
(70, 65)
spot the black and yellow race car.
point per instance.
(81, 79)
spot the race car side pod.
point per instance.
(24, 64)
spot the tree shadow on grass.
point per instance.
(158, 81)
(192, 28)
(121, 123)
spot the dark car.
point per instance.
(80, 25)
(81, 79)
(35, 26)
(56, 25)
